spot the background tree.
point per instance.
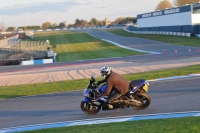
(77, 23)
(62, 25)
(183, 2)
(84, 23)
(46, 25)
(123, 20)
(80, 23)
(101, 23)
(119, 20)
(21, 27)
(93, 22)
(34, 27)
(163, 5)
(10, 29)
(70, 25)
(54, 25)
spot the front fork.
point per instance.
(93, 101)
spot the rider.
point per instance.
(114, 80)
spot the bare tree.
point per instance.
(2, 26)
(163, 5)
(184, 2)
(54, 25)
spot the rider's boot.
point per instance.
(110, 106)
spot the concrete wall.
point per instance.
(166, 20)
(178, 19)
(169, 17)
(37, 62)
(195, 19)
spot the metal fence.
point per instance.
(27, 46)
(4, 42)
(13, 50)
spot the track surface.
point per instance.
(167, 96)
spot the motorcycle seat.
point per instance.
(134, 83)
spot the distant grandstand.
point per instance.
(185, 19)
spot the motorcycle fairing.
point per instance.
(86, 99)
(146, 88)
(103, 88)
(135, 84)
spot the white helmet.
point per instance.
(105, 71)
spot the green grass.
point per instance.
(186, 41)
(72, 46)
(180, 125)
(44, 88)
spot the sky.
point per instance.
(14, 13)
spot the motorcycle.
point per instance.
(136, 97)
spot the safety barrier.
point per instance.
(64, 29)
(37, 62)
(7, 62)
(160, 33)
(197, 35)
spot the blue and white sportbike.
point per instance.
(136, 98)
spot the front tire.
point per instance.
(144, 98)
(89, 108)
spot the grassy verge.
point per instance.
(180, 125)
(72, 46)
(44, 88)
(186, 41)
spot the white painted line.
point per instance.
(125, 46)
(99, 121)
(197, 114)
(174, 77)
(117, 44)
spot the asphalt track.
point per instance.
(178, 95)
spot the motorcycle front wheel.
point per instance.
(142, 97)
(89, 108)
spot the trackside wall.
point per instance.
(178, 19)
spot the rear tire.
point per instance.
(89, 109)
(144, 98)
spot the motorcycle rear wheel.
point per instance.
(89, 109)
(144, 98)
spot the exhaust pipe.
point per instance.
(133, 102)
(130, 102)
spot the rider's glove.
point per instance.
(99, 82)
(92, 80)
